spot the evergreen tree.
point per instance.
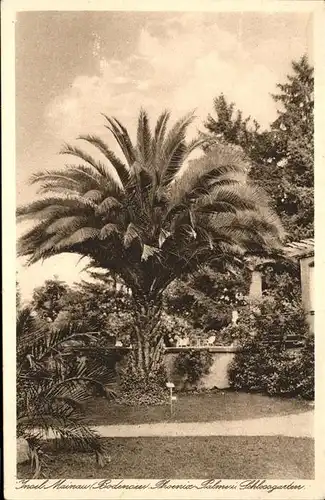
(282, 156)
(293, 135)
(231, 127)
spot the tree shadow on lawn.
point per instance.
(226, 457)
(207, 407)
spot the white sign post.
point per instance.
(172, 398)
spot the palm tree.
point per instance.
(150, 218)
(52, 386)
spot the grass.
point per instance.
(205, 407)
(189, 458)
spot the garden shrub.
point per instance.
(295, 376)
(235, 334)
(135, 390)
(282, 280)
(173, 326)
(193, 364)
(277, 319)
(264, 364)
(253, 366)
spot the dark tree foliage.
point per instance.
(48, 300)
(293, 133)
(283, 156)
(208, 297)
(102, 305)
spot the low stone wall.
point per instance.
(217, 376)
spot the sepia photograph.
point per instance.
(164, 207)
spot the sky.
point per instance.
(73, 66)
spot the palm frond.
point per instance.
(121, 168)
(104, 170)
(53, 176)
(163, 237)
(66, 224)
(200, 177)
(122, 138)
(44, 249)
(94, 195)
(107, 204)
(144, 139)
(40, 341)
(148, 251)
(194, 144)
(24, 321)
(71, 431)
(108, 230)
(59, 202)
(174, 148)
(80, 236)
(76, 176)
(160, 128)
(130, 235)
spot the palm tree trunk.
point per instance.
(147, 339)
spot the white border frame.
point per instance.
(313, 489)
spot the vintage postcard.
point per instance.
(163, 165)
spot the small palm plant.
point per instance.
(150, 218)
(52, 386)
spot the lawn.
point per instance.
(191, 458)
(205, 407)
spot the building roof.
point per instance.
(300, 249)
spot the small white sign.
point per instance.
(174, 398)
(170, 385)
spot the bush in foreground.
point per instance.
(193, 365)
(265, 364)
(51, 389)
(136, 389)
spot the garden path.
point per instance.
(294, 425)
